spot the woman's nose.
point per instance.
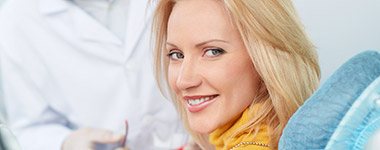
(189, 76)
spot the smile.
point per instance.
(198, 103)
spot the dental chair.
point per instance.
(343, 114)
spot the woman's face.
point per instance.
(209, 70)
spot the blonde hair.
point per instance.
(281, 52)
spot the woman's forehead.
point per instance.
(196, 18)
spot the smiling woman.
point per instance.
(236, 69)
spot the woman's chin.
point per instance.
(201, 129)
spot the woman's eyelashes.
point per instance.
(209, 52)
(175, 55)
(213, 52)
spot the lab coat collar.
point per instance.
(90, 29)
(86, 27)
(53, 6)
(135, 25)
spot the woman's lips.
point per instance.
(198, 103)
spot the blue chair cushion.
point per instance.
(313, 124)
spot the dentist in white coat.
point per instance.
(73, 70)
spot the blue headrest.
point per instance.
(358, 128)
(313, 124)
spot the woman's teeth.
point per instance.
(198, 101)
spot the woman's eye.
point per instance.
(214, 52)
(175, 55)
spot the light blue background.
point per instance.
(340, 28)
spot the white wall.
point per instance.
(340, 28)
(1, 1)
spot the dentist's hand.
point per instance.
(86, 139)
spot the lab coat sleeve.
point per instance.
(36, 125)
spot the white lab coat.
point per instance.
(62, 70)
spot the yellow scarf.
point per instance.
(220, 138)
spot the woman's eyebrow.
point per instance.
(171, 44)
(200, 44)
(209, 41)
